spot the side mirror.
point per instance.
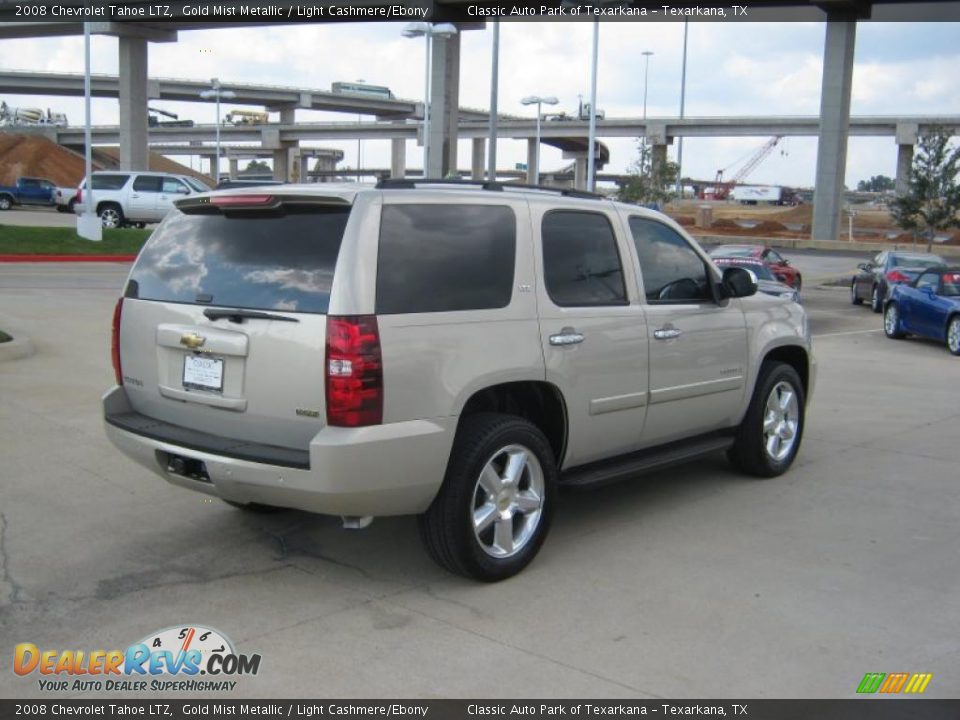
(864, 266)
(739, 282)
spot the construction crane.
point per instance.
(722, 188)
(154, 121)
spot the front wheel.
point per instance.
(5, 202)
(891, 322)
(493, 511)
(769, 437)
(953, 335)
(111, 216)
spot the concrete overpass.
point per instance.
(841, 18)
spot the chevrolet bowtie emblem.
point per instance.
(192, 340)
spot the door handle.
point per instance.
(134, 195)
(567, 336)
(667, 332)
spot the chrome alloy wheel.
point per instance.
(953, 336)
(508, 501)
(110, 218)
(891, 320)
(781, 421)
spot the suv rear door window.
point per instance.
(580, 260)
(442, 258)
(256, 260)
(109, 182)
(147, 183)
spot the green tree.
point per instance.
(647, 182)
(932, 199)
(257, 166)
(877, 183)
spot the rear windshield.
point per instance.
(262, 261)
(920, 262)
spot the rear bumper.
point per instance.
(393, 469)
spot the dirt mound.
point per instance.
(798, 214)
(32, 156)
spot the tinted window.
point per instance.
(262, 261)
(919, 262)
(440, 258)
(147, 183)
(196, 184)
(580, 260)
(29, 183)
(672, 271)
(109, 182)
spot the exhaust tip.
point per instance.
(356, 522)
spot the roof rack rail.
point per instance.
(492, 185)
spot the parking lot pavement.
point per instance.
(695, 582)
(37, 217)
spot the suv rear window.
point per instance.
(442, 258)
(262, 261)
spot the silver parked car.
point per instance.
(441, 349)
(134, 198)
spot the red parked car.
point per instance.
(779, 265)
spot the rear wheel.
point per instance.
(876, 299)
(111, 216)
(769, 437)
(891, 322)
(854, 298)
(5, 202)
(493, 511)
(953, 335)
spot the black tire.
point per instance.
(139, 225)
(799, 283)
(855, 299)
(892, 327)
(111, 215)
(72, 206)
(876, 299)
(749, 452)
(256, 508)
(5, 202)
(953, 335)
(61, 208)
(447, 527)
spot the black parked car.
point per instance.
(874, 279)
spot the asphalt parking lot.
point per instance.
(694, 582)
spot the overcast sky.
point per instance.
(733, 69)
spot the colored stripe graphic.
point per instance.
(871, 682)
(918, 682)
(894, 682)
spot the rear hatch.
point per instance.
(223, 319)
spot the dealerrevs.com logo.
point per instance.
(170, 660)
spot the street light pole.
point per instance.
(646, 72)
(494, 93)
(591, 151)
(534, 172)
(683, 95)
(359, 148)
(217, 92)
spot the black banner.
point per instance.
(857, 709)
(287, 11)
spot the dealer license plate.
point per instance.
(202, 372)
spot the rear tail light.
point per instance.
(895, 276)
(354, 371)
(115, 342)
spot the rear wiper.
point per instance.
(239, 315)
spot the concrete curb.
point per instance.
(19, 347)
(67, 258)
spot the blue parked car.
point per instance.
(929, 306)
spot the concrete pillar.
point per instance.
(444, 106)
(532, 170)
(477, 167)
(580, 172)
(658, 157)
(304, 168)
(134, 154)
(281, 154)
(398, 158)
(906, 138)
(834, 123)
(234, 167)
